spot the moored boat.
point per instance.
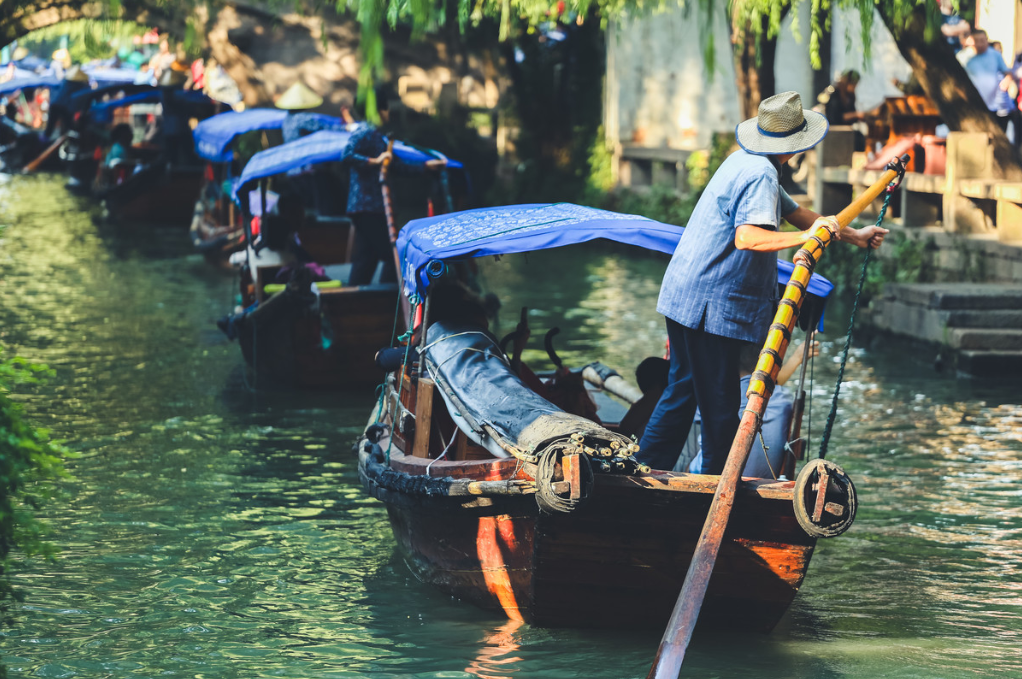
(158, 182)
(500, 498)
(303, 326)
(216, 229)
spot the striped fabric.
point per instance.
(709, 282)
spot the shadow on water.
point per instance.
(216, 531)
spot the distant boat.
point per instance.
(297, 332)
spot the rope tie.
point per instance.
(832, 415)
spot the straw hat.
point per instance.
(299, 97)
(172, 78)
(781, 127)
(75, 74)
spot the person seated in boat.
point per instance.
(717, 289)
(365, 154)
(768, 463)
(652, 376)
(121, 137)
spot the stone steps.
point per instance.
(985, 339)
(981, 324)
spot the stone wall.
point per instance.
(662, 101)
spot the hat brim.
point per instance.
(752, 140)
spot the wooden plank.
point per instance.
(423, 417)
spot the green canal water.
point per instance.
(218, 532)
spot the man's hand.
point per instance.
(829, 223)
(380, 159)
(870, 237)
(436, 163)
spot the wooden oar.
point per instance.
(44, 156)
(672, 649)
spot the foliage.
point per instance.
(87, 39)
(31, 465)
(901, 260)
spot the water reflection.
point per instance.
(219, 532)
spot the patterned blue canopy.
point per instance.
(525, 228)
(23, 83)
(324, 146)
(214, 135)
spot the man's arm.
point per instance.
(803, 218)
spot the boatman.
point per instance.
(720, 288)
(364, 154)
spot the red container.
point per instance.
(934, 154)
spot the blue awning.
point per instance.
(104, 112)
(28, 83)
(526, 228)
(81, 100)
(324, 146)
(214, 135)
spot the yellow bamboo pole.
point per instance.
(671, 652)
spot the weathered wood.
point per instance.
(423, 417)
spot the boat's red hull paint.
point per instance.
(618, 560)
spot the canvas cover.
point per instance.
(324, 146)
(479, 387)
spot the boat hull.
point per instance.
(288, 344)
(618, 560)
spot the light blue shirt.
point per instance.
(986, 71)
(711, 284)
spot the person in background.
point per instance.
(652, 377)
(122, 137)
(992, 78)
(297, 100)
(953, 27)
(837, 103)
(365, 154)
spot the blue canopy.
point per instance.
(526, 228)
(214, 135)
(324, 146)
(104, 112)
(27, 83)
(82, 99)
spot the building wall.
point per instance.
(660, 95)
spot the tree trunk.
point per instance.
(754, 64)
(946, 83)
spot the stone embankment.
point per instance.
(977, 326)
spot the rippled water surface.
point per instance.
(213, 531)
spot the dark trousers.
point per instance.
(704, 372)
(372, 244)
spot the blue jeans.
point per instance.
(704, 372)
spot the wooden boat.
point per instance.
(499, 498)
(20, 143)
(216, 228)
(298, 332)
(159, 183)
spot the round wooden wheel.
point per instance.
(825, 499)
